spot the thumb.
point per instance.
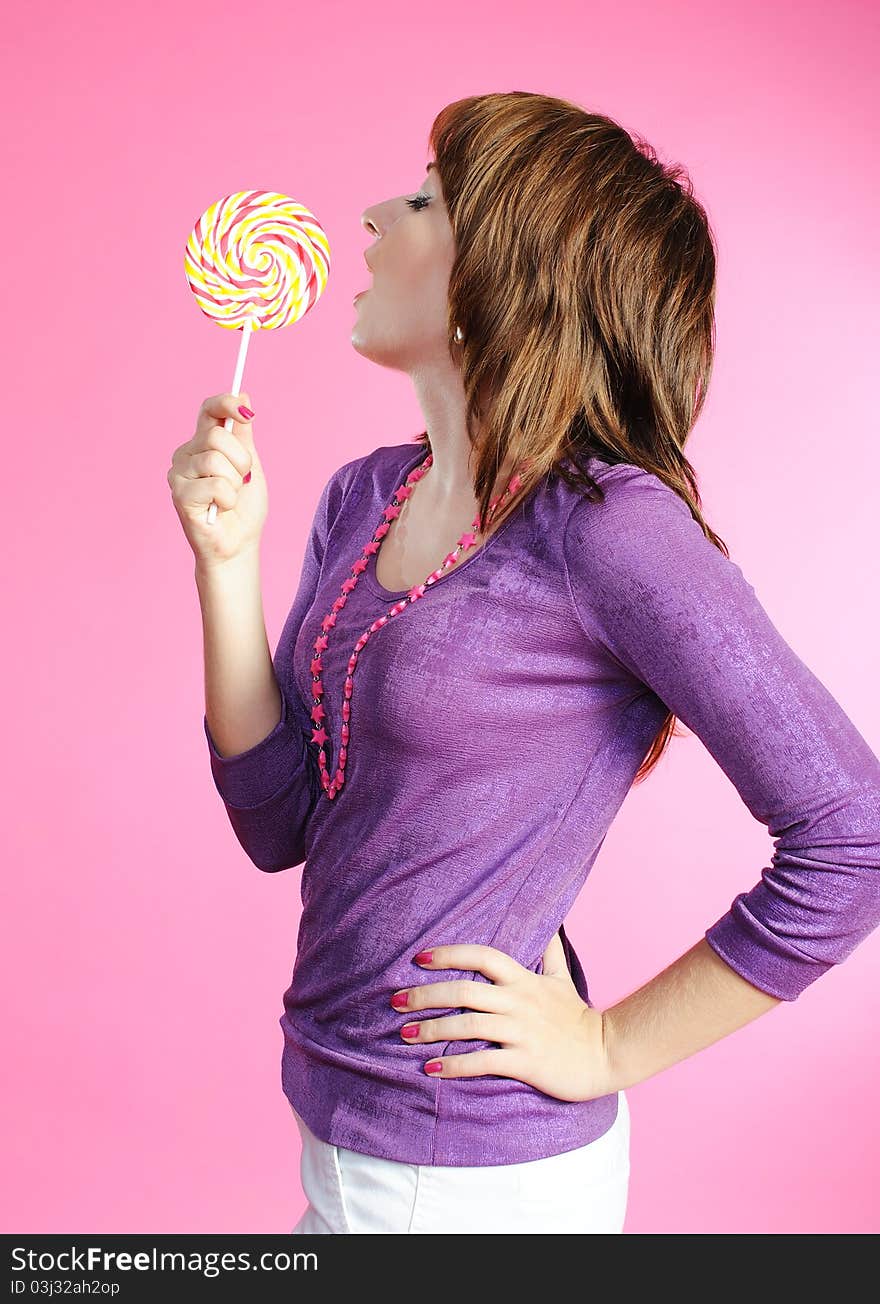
(243, 428)
(243, 425)
(554, 957)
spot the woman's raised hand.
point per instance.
(221, 466)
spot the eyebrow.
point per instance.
(428, 166)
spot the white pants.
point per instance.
(582, 1190)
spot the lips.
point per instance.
(358, 295)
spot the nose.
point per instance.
(368, 224)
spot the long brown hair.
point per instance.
(584, 285)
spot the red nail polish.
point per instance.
(246, 412)
(433, 1066)
(399, 1000)
(423, 957)
(409, 1030)
(246, 479)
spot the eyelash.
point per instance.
(419, 202)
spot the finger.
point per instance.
(212, 464)
(474, 1064)
(496, 965)
(230, 444)
(453, 993)
(218, 408)
(463, 1027)
(207, 489)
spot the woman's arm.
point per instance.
(242, 698)
(695, 1001)
(270, 787)
(673, 616)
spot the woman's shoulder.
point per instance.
(367, 474)
(639, 525)
(381, 462)
(628, 492)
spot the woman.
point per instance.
(495, 629)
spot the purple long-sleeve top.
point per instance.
(497, 724)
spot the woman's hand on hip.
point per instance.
(546, 1035)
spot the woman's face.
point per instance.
(401, 319)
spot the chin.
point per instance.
(370, 349)
(360, 344)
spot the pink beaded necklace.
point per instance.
(467, 540)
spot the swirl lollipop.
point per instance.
(256, 260)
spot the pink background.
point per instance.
(144, 957)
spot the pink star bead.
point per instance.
(467, 540)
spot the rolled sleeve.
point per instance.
(265, 770)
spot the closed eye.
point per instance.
(418, 202)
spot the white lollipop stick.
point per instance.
(246, 332)
(259, 260)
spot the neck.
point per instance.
(451, 478)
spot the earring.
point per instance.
(459, 335)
